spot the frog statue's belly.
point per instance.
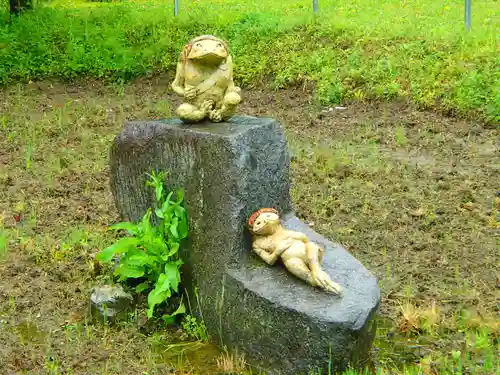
(297, 250)
(214, 91)
(209, 91)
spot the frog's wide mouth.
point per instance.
(272, 223)
(209, 56)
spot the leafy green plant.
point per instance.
(151, 252)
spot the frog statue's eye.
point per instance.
(197, 45)
(219, 45)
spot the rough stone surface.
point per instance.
(110, 303)
(228, 171)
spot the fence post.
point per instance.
(468, 14)
(176, 8)
(315, 6)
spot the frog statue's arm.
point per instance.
(231, 87)
(297, 236)
(178, 83)
(270, 256)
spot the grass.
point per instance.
(359, 50)
(413, 194)
(418, 211)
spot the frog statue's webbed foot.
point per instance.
(215, 115)
(190, 113)
(322, 280)
(229, 104)
(207, 106)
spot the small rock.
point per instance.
(418, 213)
(110, 303)
(340, 108)
(468, 206)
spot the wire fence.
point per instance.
(315, 6)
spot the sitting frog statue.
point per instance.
(204, 77)
(300, 256)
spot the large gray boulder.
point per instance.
(229, 170)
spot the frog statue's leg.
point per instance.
(299, 268)
(308, 269)
(229, 103)
(228, 107)
(232, 98)
(191, 113)
(320, 277)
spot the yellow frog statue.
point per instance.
(204, 78)
(300, 256)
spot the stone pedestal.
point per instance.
(229, 170)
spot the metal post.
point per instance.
(315, 6)
(176, 8)
(468, 14)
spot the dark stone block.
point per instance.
(229, 170)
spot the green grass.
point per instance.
(413, 195)
(359, 50)
(380, 181)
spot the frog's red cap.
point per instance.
(256, 214)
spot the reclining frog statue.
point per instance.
(301, 257)
(204, 78)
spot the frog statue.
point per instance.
(299, 255)
(204, 78)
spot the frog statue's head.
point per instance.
(206, 49)
(264, 221)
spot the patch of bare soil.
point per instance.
(413, 195)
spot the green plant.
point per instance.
(151, 252)
(400, 136)
(194, 328)
(4, 243)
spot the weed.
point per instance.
(231, 363)
(194, 328)
(4, 242)
(151, 253)
(410, 318)
(430, 318)
(400, 136)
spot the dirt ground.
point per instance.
(413, 195)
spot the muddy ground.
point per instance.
(414, 195)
